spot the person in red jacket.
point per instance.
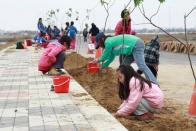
(54, 55)
(123, 27)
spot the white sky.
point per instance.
(23, 14)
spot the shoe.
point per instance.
(61, 71)
(145, 116)
(52, 88)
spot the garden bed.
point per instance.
(103, 87)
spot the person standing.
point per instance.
(93, 32)
(66, 28)
(41, 26)
(123, 27)
(85, 33)
(151, 55)
(72, 31)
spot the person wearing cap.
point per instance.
(129, 45)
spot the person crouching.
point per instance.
(140, 96)
(54, 56)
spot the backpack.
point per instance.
(19, 45)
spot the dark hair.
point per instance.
(104, 38)
(128, 73)
(65, 39)
(72, 23)
(67, 23)
(102, 41)
(124, 12)
(93, 24)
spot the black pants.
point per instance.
(153, 70)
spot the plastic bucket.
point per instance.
(92, 67)
(98, 53)
(28, 42)
(61, 84)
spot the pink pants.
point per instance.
(73, 44)
(93, 39)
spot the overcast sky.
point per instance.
(23, 14)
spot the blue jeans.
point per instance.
(144, 107)
(60, 58)
(138, 56)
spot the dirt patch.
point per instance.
(103, 87)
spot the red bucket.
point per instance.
(61, 84)
(92, 67)
(28, 42)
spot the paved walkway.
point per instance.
(26, 102)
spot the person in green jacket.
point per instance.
(129, 45)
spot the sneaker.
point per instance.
(61, 71)
(145, 116)
(52, 88)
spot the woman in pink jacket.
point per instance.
(54, 55)
(140, 96)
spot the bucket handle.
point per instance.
(61, 83)
(93, 67)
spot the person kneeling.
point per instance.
(140, 96)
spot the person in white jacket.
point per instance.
(140, 96)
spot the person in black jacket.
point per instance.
(93, 32)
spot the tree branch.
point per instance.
(112, 4)
(156, 12)
(132, 10)
(128, 4)
(142, 24)
(142, 11)
(187, 42)
(107, 11)
(190, 11)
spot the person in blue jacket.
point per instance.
(49, 31)
(72, 31)
(56, 32)
(41, 26)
